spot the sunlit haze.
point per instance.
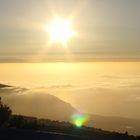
(95, 87)
(73, 61)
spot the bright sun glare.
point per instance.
(60, 30)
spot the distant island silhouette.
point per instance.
(24, 127)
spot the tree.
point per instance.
(5, 113)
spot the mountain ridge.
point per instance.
(43, 105)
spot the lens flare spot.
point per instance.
(79, 119)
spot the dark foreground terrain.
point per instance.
(20, 134)
(9, 134)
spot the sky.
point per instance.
(107, 30)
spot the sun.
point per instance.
(60, 30)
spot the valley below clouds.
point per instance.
(117, 96)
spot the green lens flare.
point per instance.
(79, 119)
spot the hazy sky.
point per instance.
(106, 29)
